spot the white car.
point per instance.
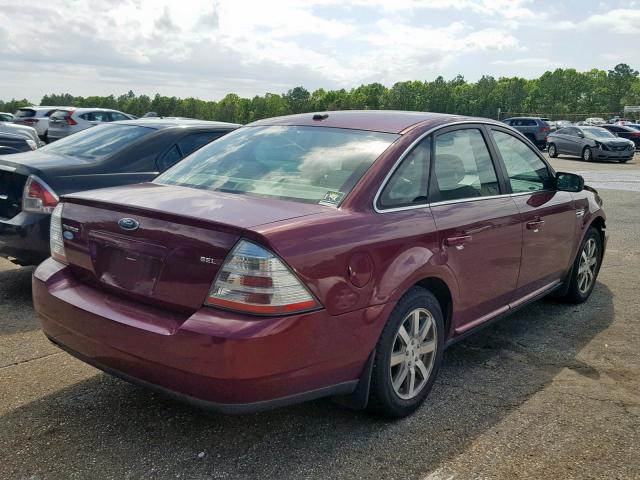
(36, 117)
(6, 117)
(594, 121)
(66, 121)
(28, 133)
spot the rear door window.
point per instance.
(462, 167)
(100, 117)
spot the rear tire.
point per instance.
(408, 355)
(585, 267)
(552, 150)
(587, 154)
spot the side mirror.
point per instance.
(581, 135)
(569, 182)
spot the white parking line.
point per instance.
(612, 180)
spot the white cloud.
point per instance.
(617, 21)
(531, 62)
(207, 48)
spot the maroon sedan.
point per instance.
(299, 257)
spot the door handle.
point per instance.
(457, 241)
(535, 225)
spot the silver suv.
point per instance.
(36, 117)
(534, 128)
(66, 121)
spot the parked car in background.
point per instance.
(11, 143)
(36, 117)
(6, 117)
(563, 124)
(594, 121)
(624, 131)
(20, 130)
(534, 128)
(551, 123)
(117, 153)
(65, 122)
(590, 143)
(314, 255)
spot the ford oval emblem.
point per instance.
(128, 224)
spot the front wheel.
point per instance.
(408, 355)
(585, 267)
(587, 154)
(552, 151)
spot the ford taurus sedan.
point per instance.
(334, 254)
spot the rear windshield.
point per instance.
(304, 164)
(597, 133)
(25, 112)
(60, 114)
(96, 142)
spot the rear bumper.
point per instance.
(25, 238)
(221, 360)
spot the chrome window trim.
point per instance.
(409, 149)
(7, 168)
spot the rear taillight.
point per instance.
(545, 129)
(635, 135)
(38, 197)
(56, 240)
(254, 280)
(69, 120)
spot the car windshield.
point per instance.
(304, 164)
(97, 142)
(597, 133)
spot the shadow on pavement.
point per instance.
(16, 313)
(103, 427)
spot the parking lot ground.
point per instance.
(552, 392)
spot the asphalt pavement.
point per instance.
(552, 392)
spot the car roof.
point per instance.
(160, 123)
(524, 118)
(387, 121)
(42, 107)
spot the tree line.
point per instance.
(561, 93)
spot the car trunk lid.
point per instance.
(161, 245)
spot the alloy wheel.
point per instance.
(588, 265)
(413, 353)
(586, 155)
(552, 150)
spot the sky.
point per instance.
(208, 48)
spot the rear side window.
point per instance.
(408, 184)
(117, 116)
(191, 143)
(462, 167)
(25, 113)
(169, 158)
(527, 173)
